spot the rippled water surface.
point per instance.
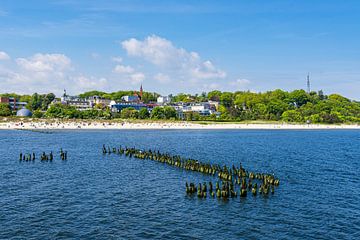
(114, 197)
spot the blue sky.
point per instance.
(179, 46)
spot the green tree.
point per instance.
(332, 117)
(226, 99)
(315, 118)
(291, 116)
(5, 110)
(224, 113)
(191, 116)
(144, 113)
(24, 98)
(299, 97)
(46, 100)
(38, 114)
(62, 111)
(214, 95)
(35, 102)
(337, 97)
(169, 112)
(149, 97)
(129, 113)
(157, 113)
(275, 108)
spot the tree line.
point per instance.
(295, 106)
(277, 105)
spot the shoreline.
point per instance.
(127, 125)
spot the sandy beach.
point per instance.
(97, 125)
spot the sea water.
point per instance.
(92, 196)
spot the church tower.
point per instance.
(141, 92)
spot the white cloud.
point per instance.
(137, 78)
(45, 62)
(207, 71)
(128, 74)
(123, 69)
(117, 59)
(162, 53)
(162, 78)
(89, 83)
(44, 73)
(4, 56)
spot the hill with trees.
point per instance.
(277, 105)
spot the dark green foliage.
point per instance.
(291, 116)
(192, 116)
(129, 113)
(149, 97)
(144, 113)
(298, 98)
(64, 111)
(295, 106)
(169, 112)
(214, 95)
(158, 113)
(40, 102)
(5, 110)
(163, 113)
(38, 114)
(46, 100)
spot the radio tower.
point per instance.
(308, 83)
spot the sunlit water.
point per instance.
(113, 197)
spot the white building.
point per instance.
(99, 100)
(204, 108)
(75, 101)
(163, 100)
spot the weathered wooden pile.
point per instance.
(233, 181)
(43, 156)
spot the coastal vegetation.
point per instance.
(5, 110)
(296, 106)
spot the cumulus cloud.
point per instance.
(127, 73)
(162, 78)
(207, 71)
(45, 62)
(137, 78)
(89, 83)
(47, 73)
(4, 56)
(123, 69)
(162, 53)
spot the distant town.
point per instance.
(129, 102)
(295, 106)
